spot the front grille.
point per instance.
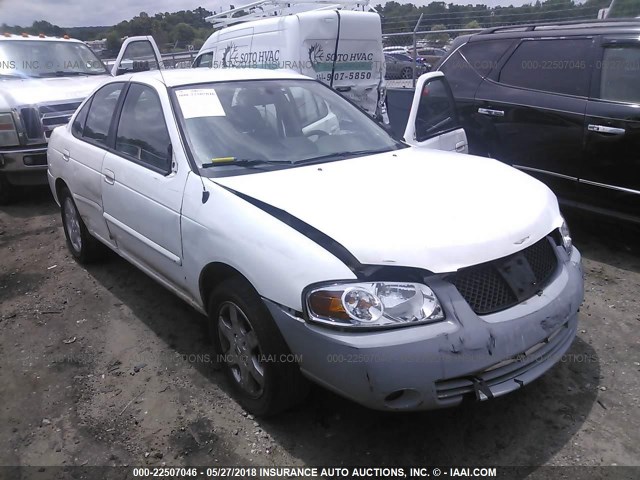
(31, 122)
(42, 121)
(488, 290)
(55, 115)
(542, 259)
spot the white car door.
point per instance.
(143, 184)
(433, 120)
(137, 54)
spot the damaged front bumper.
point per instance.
(439, 365)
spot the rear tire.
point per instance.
(82, 245)
(252, 351)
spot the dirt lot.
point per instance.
(101, 366)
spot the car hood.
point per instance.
(33, 91)
(414, 207)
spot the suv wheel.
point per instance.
(251, 350)
(407, 72)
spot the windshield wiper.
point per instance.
(243, 162)
(339, 155)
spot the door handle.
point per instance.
(109, 176)
(66, 155)
(461, 146)
(605, 129)
(490, 112)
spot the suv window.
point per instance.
(142, 133)
(101, 111)
(619, 76)
(436, 111)
(557, 66)
(484, 56)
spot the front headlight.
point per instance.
(374, 304)
(8, 132)
(565, 236)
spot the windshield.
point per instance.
(46, 58)
(263, 123)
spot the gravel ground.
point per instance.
(101, 366)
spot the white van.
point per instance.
(341, 48)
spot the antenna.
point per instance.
(271, 8)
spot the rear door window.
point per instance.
(96, 128)
(620, 74)
(556, 66)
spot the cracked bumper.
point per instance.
(439, 365)
(24, 166)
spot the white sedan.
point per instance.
(319, 246)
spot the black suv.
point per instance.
(560, 102)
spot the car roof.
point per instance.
(192, 76)
(573, 28)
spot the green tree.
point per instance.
(473, 24)
(182, 33)
(197, 44)
(113, 41)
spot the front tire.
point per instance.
(82, 245)
(406, 73)
(252, 352)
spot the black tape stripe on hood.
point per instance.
(325, 241)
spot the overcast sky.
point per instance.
(78, 13)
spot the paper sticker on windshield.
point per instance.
(200, 102)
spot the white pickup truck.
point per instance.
(43, 80)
